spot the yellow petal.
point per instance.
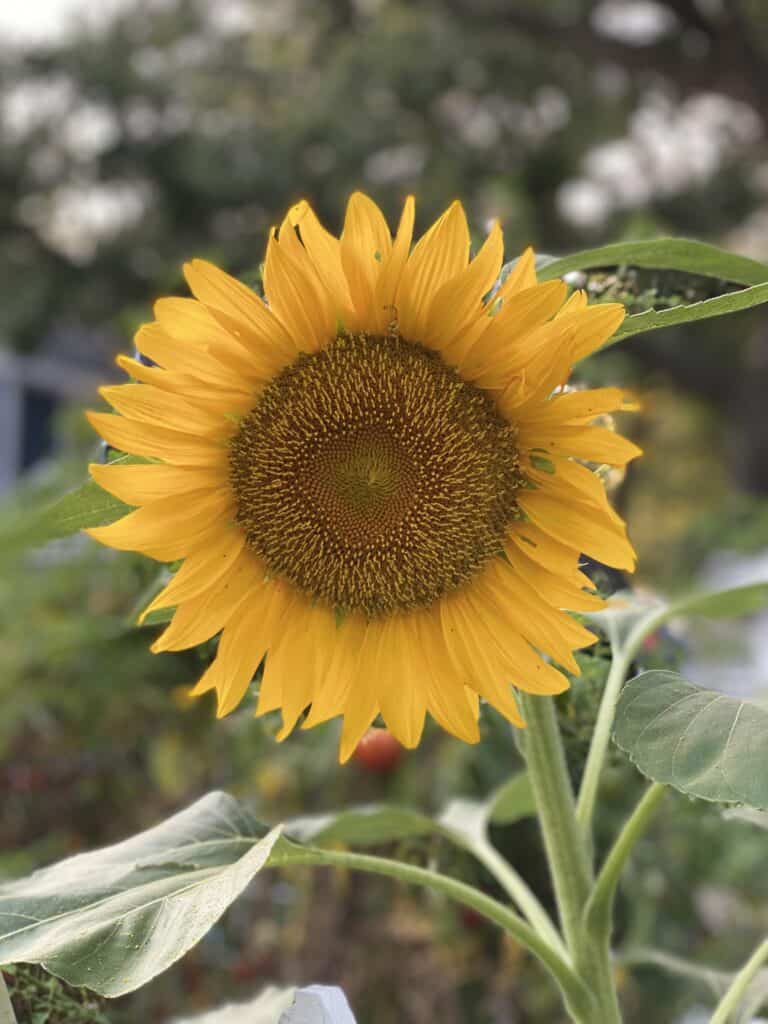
(227, 400)
(189, 321)
(202, 617)
(302, 659)
(228, 295)
(597, 324)
(168, 528)
(552, 554)
(202, 569)
(478, 662)
(181, 356)
(295, 293)
(577, 302)
(558, 591)
(447, 696)
(365, 246)
(360, 710)
(547, 370)
(147, 404)
(578, 406)
(513, 334)
(514, 600)
(394, 657)
(267, 352)
(459, 302)
(251, 631)
(521, 277)
(156, 442)
(526, 669)
(441, 254)
(331, 696)
(573, 482)
(325, 253)
(385, 294)
(578, 526)
(595, 444)
(140, 485)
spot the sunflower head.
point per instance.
(375, 476)
(357, 459)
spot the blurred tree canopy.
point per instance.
(175, 128)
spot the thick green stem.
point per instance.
(729, 1004)
(571, 874)
(7, 1016)
(599, 909)
(574, 992)
(519, 892)
(622, 659)
(567, 855)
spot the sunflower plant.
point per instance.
(374, 487)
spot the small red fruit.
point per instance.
(378, 751)
(651, 642)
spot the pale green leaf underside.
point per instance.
(706, 744)
(266, 1008)
(114, 918)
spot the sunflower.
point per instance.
(376, 477)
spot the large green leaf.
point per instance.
(706, 744)
(682, 254)
(88, 505)
(462, 820)
(629, 616)
(115, 918)
(368, 825)
(512, 801)
(723, 604)
(654, 320)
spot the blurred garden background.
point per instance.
(137, 134)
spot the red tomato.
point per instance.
(378, 751)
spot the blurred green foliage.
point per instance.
(39, 998)
(186, 128)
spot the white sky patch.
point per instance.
(41, 21)
(74, 219)
(637, 22)
(33, 22)
(667, 149)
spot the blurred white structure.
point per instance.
(67, 369)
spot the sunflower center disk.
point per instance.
(373, 477)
